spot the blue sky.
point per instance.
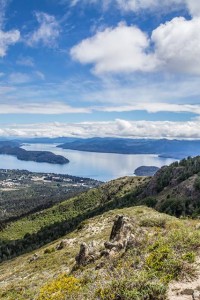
(127, 68)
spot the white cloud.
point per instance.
(47, 33)
(3, 6)
(173, 47)
(194, 7)
(117, 128)
(154, 108)
(120, 49)
(7, 39)
(40, 108)
(136, 6)
(177, 45)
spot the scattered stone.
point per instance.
(187, 292)
(109, 245)
(62, 245)
(197, 227)
(100, 265)
(104, 253)
(33, 258)
(196, 295)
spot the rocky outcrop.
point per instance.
(87, 254)
(82, 257)
(121, 238)
(121, 234)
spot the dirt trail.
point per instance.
(186, 290)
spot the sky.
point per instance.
(85, 68)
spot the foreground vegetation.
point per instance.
(164, 249)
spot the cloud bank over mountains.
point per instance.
(117, 128)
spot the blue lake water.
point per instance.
(100, 166)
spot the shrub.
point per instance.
(133, 288)
(151, 222)
(60, 288)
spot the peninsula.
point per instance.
(37, 156)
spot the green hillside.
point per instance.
(156, 249)
(45, 226)
(174, 190)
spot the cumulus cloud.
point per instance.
(116, 49)
(194, 7)
(117, 128)
(172, 47)
(47, 32)
(177, 45)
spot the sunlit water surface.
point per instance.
(100, 166)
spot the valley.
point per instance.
(23, 192)
(140, 233)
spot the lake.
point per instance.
(99, 166)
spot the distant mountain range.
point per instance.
(163, 147)
(177, 149)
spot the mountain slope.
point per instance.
(156, 249)
(40, 228)
(174, 189)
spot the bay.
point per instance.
(99, 166)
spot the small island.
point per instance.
(146, 171)
(37, 156)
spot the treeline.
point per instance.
(87, 205)
(179, 200)
(172, 175)
(18, 203)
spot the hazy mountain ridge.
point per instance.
(161, 147)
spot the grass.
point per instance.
(163, 250)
